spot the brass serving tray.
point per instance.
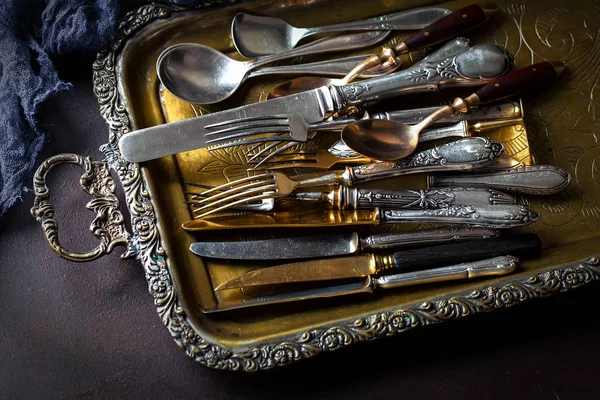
(560, 130)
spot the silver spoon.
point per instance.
(200, 74)
(255, 36)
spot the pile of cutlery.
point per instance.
(470, 181)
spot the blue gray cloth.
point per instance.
(33, 35)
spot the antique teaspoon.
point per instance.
(387, 140)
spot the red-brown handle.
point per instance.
(517, 81)
(452, 25)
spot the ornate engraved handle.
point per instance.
(382, 241)
(461, 155)
(495, 217)
(473, 67)
(535, 179)
(108, 225)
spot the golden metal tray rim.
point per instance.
(146, 244)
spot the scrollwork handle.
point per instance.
(108, 225)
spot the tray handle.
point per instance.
(108, 225)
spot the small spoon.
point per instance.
(202, 75)
(387, 140)
(452, 25)
(255, 36)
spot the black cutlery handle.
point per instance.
(517, 81)
(457, 23)
(522, 246)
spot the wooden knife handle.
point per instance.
(517, 81)
(522, 246)
(445, 28)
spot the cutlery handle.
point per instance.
(417, 18)
(334, 43)
(457, 23)
(524, 246)
(473, 67)
(499, 111)
(491, 267)
(461, 155)
(425, 237)
(495, 217)
(335, 67)
(535, 179)
(422, 199)
(517, 81)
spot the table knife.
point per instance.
(490, 267)
(495, 217)
(335, 244)
(522, 246)
(473, 67)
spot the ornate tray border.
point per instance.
(145, 243)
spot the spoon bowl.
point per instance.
(188, 71)
(255, 36)
(381, 139)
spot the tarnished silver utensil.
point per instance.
(337, 244)
(491, 267)
(255, 36)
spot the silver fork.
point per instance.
(293, 128)
(461, 155)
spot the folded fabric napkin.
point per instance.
(33, 34)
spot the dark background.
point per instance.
(70, 330)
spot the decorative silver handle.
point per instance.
(461, 155)
(109, 224)
(490, 267)
(495, 217)
(431, 198)
(473, 67)
(535, 179)
(425, 237)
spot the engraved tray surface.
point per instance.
(560, 130)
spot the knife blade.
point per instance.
(490, 267)
(474, 67)
(495, 217)
(522, 246)
(334, 245)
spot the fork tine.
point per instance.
(261, 118)
(239, 197)
(233, 204)
(246, 142)
(263, 151)
(274, 153)
(245, 131)
(286, 165)
(200, 185)
(232, 184)
(299, 154)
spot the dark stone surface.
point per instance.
(91, 331)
